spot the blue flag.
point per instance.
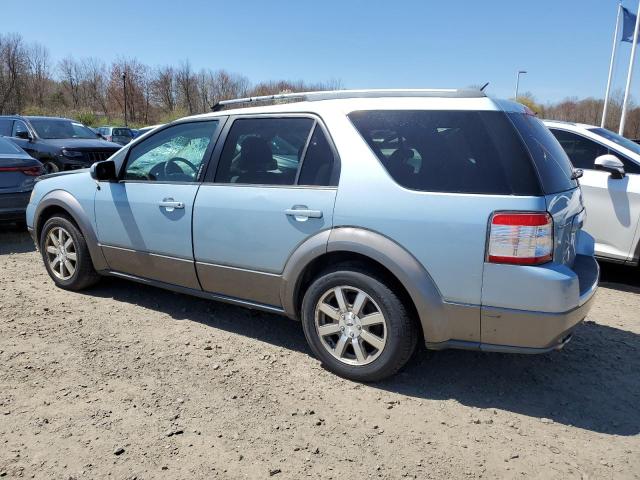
(628, 25)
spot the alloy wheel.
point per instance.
(61, 253)
(351, 325)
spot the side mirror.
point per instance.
(610, 163)
(23, 134)
(104, 171)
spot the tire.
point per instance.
(49, 166)
(75, 253)
(397, 330)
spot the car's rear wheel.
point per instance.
(66, 255)
(357, 326)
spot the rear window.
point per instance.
(7, 147)
(449, 151)
(553, 165)
(122, 132)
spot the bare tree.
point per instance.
(163, 88)
(13, 69)
(186, 84)
(70, 71)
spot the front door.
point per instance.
(612, 204)
(274, 187)
(144, 220)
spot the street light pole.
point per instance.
(518, 83)
(124, 88)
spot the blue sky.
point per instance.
(563, 44)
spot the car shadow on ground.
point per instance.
(14, 239)
(592, 384)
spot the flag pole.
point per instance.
(629, 74)
(611, 63)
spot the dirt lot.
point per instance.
(128, 381)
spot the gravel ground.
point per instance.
(128, 381)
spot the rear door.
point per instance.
(144, 220)
(274, 187)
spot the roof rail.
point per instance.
(337, 94)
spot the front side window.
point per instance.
(581, 151)
(19, 127)
(449, 151)
(175, 154)
(264, 151)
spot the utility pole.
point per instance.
(520, 72)
(124, 88)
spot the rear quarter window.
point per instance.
(551, 161)
(449, 151)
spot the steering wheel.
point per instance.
(170, 167)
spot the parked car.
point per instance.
(120, 135)
(377, 218)
(610, 186)
(58, 143)
(18, 172)
(143, 130)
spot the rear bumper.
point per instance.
(13, 206)
(528, 331)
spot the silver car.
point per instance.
(379, 219)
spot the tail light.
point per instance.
(520, 238)
(31, 171)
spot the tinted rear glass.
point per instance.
(122, 132)
(449, 151)
(553, 165)
(8, 147)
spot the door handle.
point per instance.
(301, 212)
(170, 204)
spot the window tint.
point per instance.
(317, 165)
(122, 132)
(552, 163)
(449, 151)
(5, 127)
(263, 151)
(51, 128)
(581, 151)
(19, 126)
(175, 154)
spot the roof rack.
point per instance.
(337, 94)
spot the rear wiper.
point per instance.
(577, 173)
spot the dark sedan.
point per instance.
(18, 172)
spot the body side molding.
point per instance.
(66, 201)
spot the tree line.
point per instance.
(93, 91)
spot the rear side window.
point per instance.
(317, 165)
(553, 165)
(449, 151)
(264, 151)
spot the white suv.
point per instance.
(610, 186)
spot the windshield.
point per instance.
(618, 139)
(58, 128)
(122, 132)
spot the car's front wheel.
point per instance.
(66, 255)
(49, 166)
(357, 326)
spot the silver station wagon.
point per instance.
(378, 218)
